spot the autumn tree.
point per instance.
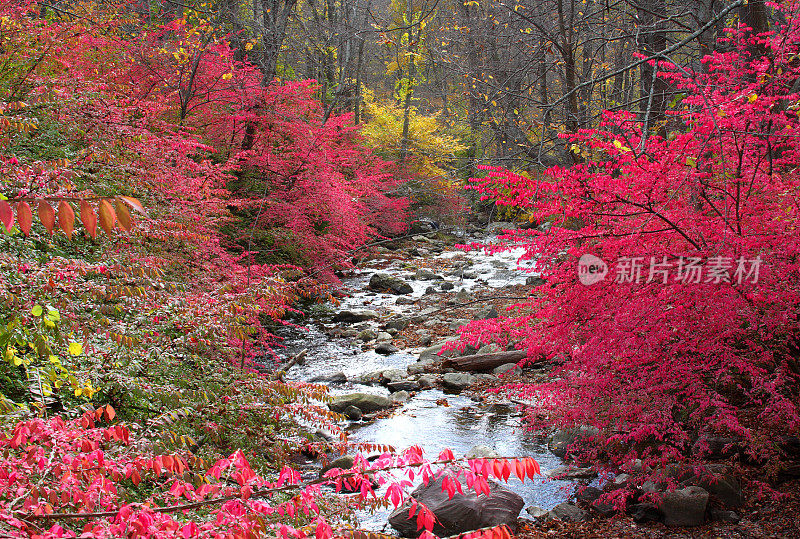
(685, 330)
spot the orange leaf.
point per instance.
(123, 215)
(133, 203)
(107, 216)
(6, 215)
(47, 216)
(24, 217)
(89, 219)
(110, 413)
(66, 218)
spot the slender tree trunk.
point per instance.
(412, 73)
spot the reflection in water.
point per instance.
(460, 426)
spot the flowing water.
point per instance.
(432, 419)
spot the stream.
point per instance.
(431, 418)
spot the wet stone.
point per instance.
(403, 385)
(352, 413)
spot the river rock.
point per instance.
(367, 335)
(535, 511)
(684, 507)
(484, 378)
(403, 385)
(423, 239)
(487, 314)
(533, 280)
(446, 286)
(482, 452)
(462, 296)
(425, 274)
(352, 413)
(571, 472)
(335, 378)
(561, 441)
(645, 512)
(457, 323)
(724, 486)
(568, 512)
(432, 353)
(386, 349)
(398, 324)
(591, 497)
(401, 397)
(391, 375)
(365, 402)
(345, 462)
(383, 282)
(507, 369)
(421, 367)
(463, 513)
(355, 315)
(426, 381)
(457, 380)
(402, 300)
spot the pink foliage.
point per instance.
(655, 359)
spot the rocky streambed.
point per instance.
(380, 353)
(379, 350)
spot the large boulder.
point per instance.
(721, 483)
(383, 282)
(561, 442)
(365, 402)
(684, 507)
(461, 513)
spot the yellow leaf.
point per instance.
(78, 392)
(75, 348)
(248, 47)
(227, 76)
(752, 98)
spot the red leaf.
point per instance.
(6, 215)
(47, 216)
(24, 217)
(497, 468)
(519, 469)
(66, 218)
(89, 219)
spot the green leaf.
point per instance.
(37, 310)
